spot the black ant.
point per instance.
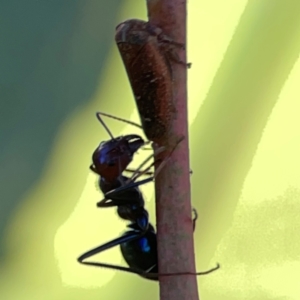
(138, 244)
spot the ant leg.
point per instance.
(159, 150)
(140, 172)
(155, 275)
(137, 173)
(163, 163)
(128, 186)
(118, 241)
(131, 184)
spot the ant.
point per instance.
(138, 244)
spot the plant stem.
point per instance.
(172, 185)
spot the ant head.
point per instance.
(112, 157)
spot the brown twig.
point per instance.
(172, 185)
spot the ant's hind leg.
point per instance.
(118, 241)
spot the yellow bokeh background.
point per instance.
(244, 141)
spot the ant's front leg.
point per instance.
(139, 172)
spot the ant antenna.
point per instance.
(104, 125)
(119, 119)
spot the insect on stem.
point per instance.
(147, 54)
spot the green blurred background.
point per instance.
(59, 65)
